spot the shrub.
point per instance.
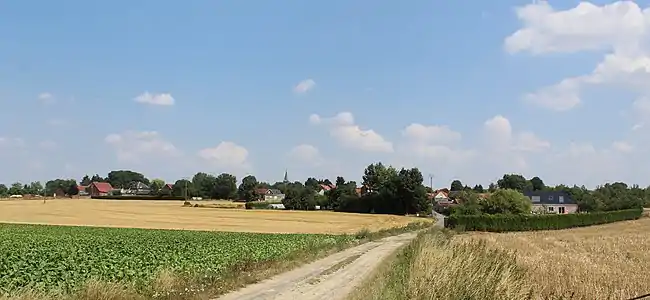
(260, 205)
(506, 201)
(137, 197)
(511, 222)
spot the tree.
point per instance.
(204, 184)
(16, 188)
(85, 181)
(468, 206)
(156, 185)
(299, 197)
(514, 182)
(59, 186)
(97, 178)
(183, 188)
(376, 175)
(123, 178)
(456, 185)
(225, 186)
(73, 189)
(537, 184)
(36, 188)
(492, 187)
(312, 183)
(506, 201)
(4, 191)
(247, 188)
(478, 188)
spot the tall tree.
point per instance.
(377, 174)
(479, 188)
(225, 186)
(183, 188)
(85, 181)
(4, 191)
(97, 178)
(537, 184)
(36, 188)
(514, 182)
(312, 184)
(204, 184)
(247, 188)
(16, 188)
(156, 185)
(456, 185)
(124, 178)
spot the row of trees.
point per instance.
(607, 197)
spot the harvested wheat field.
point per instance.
(600, 262)
(171, 215)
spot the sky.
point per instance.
(465, 90)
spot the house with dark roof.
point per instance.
(272, 195)
(557, 202)
(99, 188)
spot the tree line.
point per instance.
(384, 189)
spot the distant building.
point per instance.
(270, 194)
(83, 190)
(137, 188)
(99, 189)
(557, 202)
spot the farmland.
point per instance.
(171, 215)
(599, 262)
(62, 259)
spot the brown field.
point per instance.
(600, 262)
(171, 215)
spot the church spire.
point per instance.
(286, 176)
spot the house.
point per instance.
(167, 189)
(273, 195)
(440, 195)
(552, 202)
(99, 189)
(137, 188)
(324, 188)
(82, 190)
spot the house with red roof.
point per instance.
(99, 188)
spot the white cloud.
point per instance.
(622, 146)
(306, 154)
(344, 130)
(226, 154)
(47, 145)
(155, 99)
(304, 86)
(136, 146)
(621, 29)
(46, 98)
(431, 134)
(6, 142)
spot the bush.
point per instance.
(137, 197)
(505, 201)
(258, 205)
(510, 222)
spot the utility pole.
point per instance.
(431, 181)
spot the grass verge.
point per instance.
(433, 267)
(168, 284)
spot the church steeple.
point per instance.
(286, 176)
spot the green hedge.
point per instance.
(260, 204)
(138, 197)
(503, 223)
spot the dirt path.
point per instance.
(332, 278)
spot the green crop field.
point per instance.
(62, 259)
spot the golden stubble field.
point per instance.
(600, 262)
(171, 215)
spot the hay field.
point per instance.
(171, 215)
(600, 262)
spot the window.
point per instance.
(551, 209)
(550, 198)
(535, 198)
(560, 199)
(560, 209)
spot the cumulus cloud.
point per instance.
(344, 130)
(621, 29)
(163, 99)
(304, 86)
(226, 154)
(306, 154)
(136, 146)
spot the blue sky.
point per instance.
(71, 72)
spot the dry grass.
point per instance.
(599, 262)
(433, 267)
(171, 215)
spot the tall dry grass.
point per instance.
(600, 262)
(434, 267)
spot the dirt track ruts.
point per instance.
(332, 278)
